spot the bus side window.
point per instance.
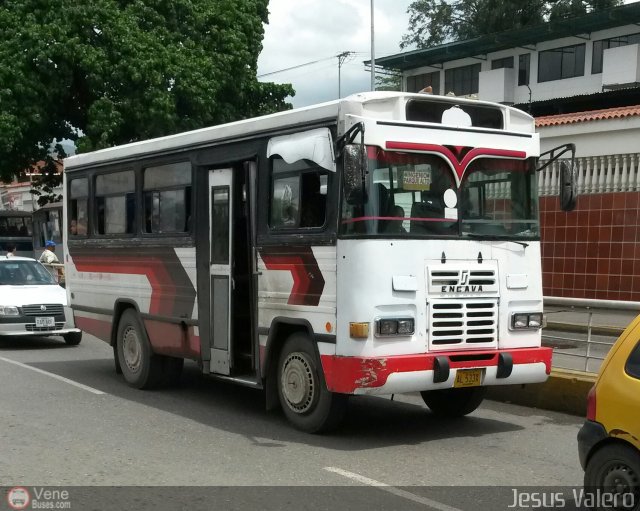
(298, 195)
(167, 198)
(115, 203)
(78, 194)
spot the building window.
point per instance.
(298, 195)
(561, 63)
(78, 195)
(418, 82)
(506, 62)
(524, 65)
(115, 203)
(167, 198)
(462, 80)
(605, 44)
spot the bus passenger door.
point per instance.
(220, 257)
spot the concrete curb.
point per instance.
(564, 391)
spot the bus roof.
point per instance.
(367, 104)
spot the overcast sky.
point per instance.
(301, 31)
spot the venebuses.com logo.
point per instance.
(18, 497)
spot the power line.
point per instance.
(295, 67)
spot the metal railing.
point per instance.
(584, 352)
(596, 174)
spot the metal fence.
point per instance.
(580, 345)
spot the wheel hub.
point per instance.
(621, 479)
(131, 349)
(298, 382)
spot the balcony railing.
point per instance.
(596, 174)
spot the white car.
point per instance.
(32, 303)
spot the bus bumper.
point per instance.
(433, 371)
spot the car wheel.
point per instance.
(454, 402)
(141, 368)
(302, 391)
(615, 469)
(73, 338)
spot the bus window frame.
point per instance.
(66, 232)
(298, 174)
(93, 200)
(158, 162)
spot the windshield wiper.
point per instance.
(499, 237)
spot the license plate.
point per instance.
(468, 378)
(48, 321)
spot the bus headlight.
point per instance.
(7, 310)
(395, 326)
(526, 320)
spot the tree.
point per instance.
(108, 72)
(388, 81)
(433, 22)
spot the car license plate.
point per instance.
(468, 378)
(48, 321)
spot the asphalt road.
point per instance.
(67, 419)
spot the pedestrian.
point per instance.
(11, 250)
(49, 256)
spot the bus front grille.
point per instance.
(464, 324)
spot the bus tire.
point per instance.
(72, 338)
(454, 402)
(303, 394)
(140, 367)
(614, 468)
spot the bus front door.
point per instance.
(220, 257)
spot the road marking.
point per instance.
(55, 376)
(391, 489)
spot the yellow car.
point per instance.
(609, 440)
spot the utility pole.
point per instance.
(373, 53)
(342, 57)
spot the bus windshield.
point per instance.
(415, 196)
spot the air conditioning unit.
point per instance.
(621, 67)
(498, 85)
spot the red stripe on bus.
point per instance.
(308, 282)
(346, 374)
(459, 166)
(96, 327)
(163, 288)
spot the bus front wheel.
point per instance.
(454, 402)
(302, 391)
(140, 367)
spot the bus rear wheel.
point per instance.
(302, 391)
(454, 402)
(140, 367)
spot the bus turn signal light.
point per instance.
(359, 330)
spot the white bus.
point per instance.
(379, 244)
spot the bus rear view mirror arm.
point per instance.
(568, 185)
(354, 165)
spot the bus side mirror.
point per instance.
(353, 174)
(568, 188)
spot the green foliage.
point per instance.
(118, 71)
(389, 82)
(433, 22)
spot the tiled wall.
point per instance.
(594, 251)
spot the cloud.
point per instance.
(308, 30)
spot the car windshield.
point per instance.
(416, 195)
(24, 273)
